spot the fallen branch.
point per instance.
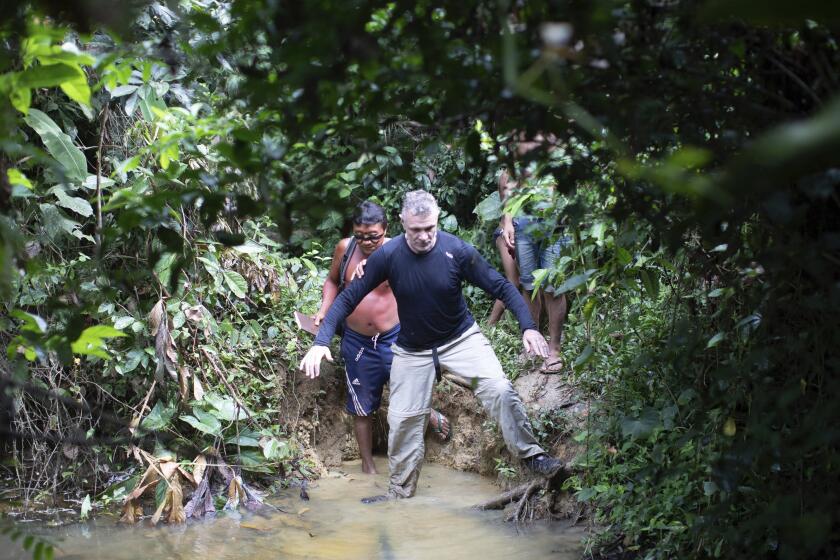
(233, 393)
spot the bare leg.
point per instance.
(511, 273)
(363, 428)
(557, 308)
(534, 304)
(496, 313)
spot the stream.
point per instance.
(436, 524)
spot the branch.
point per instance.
(796, 79)
(105, 114)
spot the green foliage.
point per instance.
(695, 170)
(42, 549)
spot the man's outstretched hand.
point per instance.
(534, 343)
(311, 363)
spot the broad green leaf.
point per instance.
(90, 182)
(540, 276)
(449, 223)
(55, 223)
(18, 178)
(86, 508)
(246, 438)
(31, 323)
(121, 171)
(715, 340)
(203, 422)
(21, 99)
(650, 280)
(236, 283)
(584, 357)
(159, 417)
(490, 208)
(47, 75)
(709, 488)
(252, 460)
(623, 256)
(274, 449)
(59, 145)
(224, 407)
(78, 205)
(163, 267)
(585, 494)
(574, 282)
(77, 89)
(123, 322)
(148, 102)
(92, 341)
(133, 360)
(123, 90)
(249, 248)
(641, 426)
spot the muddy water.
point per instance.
(436, 524)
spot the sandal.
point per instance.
(437, 420)
(555, 366)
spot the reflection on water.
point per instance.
(436, 524)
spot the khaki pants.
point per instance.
(471, 357)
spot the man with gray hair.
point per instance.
(425, 269)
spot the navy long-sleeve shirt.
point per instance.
(427, 287)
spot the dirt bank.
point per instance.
(316, 410)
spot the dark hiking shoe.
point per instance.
(381, 498)
(544, 465)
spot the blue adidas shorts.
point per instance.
(367, 363)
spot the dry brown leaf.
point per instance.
(128, 513)
(70, 451)
(235, 493)
(176, 501)
(132, 426)
(155, 316)
(165, 351)
(136, 452)
(198, 390)
(199, 468)
(183, 383)
(151, 476)
(195, 313)
(138, 491)
(159, 511)
(167, 469)
(187, 475)
(255, 526)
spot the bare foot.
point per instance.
(369, 467)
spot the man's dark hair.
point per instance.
(369, 213)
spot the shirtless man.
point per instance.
(368, 332)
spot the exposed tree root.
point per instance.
(502, 500)
(535, 498)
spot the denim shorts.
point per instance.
(533, 250)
